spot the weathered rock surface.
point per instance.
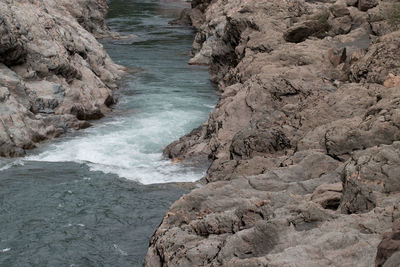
(389, 249)
(54, 75)
(304, 142)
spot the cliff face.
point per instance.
(54, 74)
(304, 139)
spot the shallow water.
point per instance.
(90, 198)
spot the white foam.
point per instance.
(11, 164)
(5, 250)
(209, 106)
(5, 167)
(131, 148)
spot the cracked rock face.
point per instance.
(304, 141)
(54, 75)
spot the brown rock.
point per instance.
(364, 5)
(337, 56)
(301, 31)
(392, 81)
(340, 25)
(339, 11)
(352, 2)
(298, 148)
(381, 59)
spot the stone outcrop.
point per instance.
(304, 141)
(54, 74)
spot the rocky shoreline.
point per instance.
(54, 74)
(304, 141)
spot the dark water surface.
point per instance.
(62, 214)
(90, 198)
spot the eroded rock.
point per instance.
(55, 72)
(304, 141)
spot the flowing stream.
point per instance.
(95, 197)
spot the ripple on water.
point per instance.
(58, 214)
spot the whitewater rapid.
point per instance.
(162, 100)
(129, 147)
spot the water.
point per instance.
(62, 214)
(94, 198)
(165, 99)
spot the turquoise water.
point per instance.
(94, 197)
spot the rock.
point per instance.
(384, 54)
(90, 14)
(388, 253)
(384, 18)
(341, 25)
(351, 2)
(337, 56)
(53, 72)
(209, 226)
(368, 172)
(184, 19)
(304, 144)
(392, 81)
(12, 49)
(200, 4)
(393, 261)
(328, 195)
(339, 11)
(300, 32)
(4, 94)
(193, 17)
(364, 5)
(247, 143)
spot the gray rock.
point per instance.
(393, 261)
(54, 71)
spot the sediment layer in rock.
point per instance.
(304, 140)
(54, 74)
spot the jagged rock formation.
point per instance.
(54, 75)
(304, 141)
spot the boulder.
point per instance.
(301, 31)
(364, 5)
